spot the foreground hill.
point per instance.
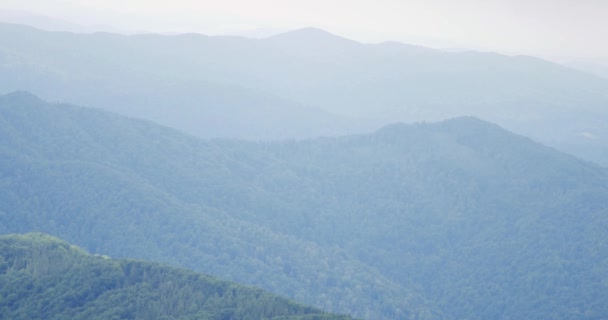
(305, 83)
(42, 277)
(458, 219)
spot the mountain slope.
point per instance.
(93, 179)
(45, 278)
(305, 83)
(458, 219)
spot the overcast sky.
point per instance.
(546, 28)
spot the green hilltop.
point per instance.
(42, 277)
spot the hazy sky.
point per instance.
(549, 28)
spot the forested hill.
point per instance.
(450, 220)
(42, 277)
(133, 189)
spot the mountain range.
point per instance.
(305, 83)
(449, 220)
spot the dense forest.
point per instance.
(450, 220)
(42, 277)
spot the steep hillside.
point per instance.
(306, 83)
(133, 189)
(452, 220)
(42, 277)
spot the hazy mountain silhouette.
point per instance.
(308, 82)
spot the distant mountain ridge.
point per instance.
(305, 83)
(449, 220)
